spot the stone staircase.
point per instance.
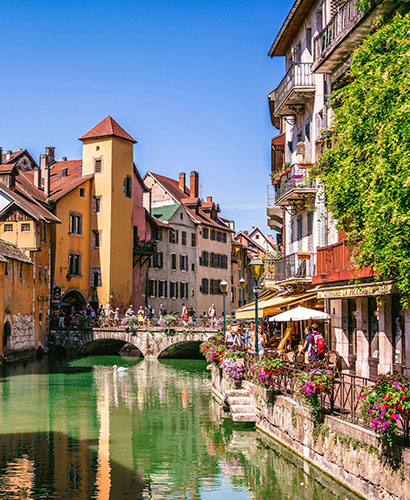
(240, 405)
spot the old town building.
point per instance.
(368, 326)
(212, 236)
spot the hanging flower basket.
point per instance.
(288, 169)
(277, 178)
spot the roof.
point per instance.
(64, 185)
(105, 128)
(246, 236)
(14, 156)
(10, 251)
(183, 197)
(72, 166)
(287, 33)
(165, 212)
(28, 205)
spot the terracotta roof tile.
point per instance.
(10, 251)
(107, 127)
(64, 185)
(14, 154)
(172, 186)
(74, 167)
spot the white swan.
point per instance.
(120, 368)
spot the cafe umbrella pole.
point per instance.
(223, 286)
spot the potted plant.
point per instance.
(311, 384)
(266, 371)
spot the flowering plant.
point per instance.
(384, 403)
(312, 383)
(235, 353)
(266, 370)
(213, 350)
(232, 369)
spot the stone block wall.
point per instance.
(22, 335)
(349, 453)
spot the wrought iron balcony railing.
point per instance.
(293, 187)
(296, 267)
(290, 95)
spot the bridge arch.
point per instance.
(109, 346)
(183, 349)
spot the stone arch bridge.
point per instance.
(150, 343)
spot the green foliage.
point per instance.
(367, 171)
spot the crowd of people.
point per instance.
(312, 349)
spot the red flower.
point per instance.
(403, 398)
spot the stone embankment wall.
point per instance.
(21, 343)
(349, 453)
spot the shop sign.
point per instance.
(358, 291)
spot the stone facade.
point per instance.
(22, 333)
(347, 452)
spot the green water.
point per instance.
(81, 430)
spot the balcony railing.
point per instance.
(294, 267)
(293, 187)
(335, 263)
(290, 95)
(340, 36)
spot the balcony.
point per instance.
(335, 263)
(297, 267)
(294, 90)
(344, 32)
(143, 250)
(293, 188)
(275, 215)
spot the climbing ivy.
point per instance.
(367, 171)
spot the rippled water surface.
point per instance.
(82, 430)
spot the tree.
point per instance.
(367, 171)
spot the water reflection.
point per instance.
(82, 430)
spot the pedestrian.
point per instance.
(141, 316)
(306, 345)
(186, 316)
(162, 311)
(191, 322)
(150, 315)
(318, 345)
(129, 312)
(183, 313)
(61, 320)
(212, 315)
(117, 316)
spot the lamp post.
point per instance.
(256, 266)
(223, 286)
(241, 284)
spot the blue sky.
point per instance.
(188, 79)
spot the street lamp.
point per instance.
(223, 286)
(241, 284)
(256, 266)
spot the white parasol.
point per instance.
(300, 314)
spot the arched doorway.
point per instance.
(6, 336)
(76, 299)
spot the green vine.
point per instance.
(367, 171)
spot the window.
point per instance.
(43, 233)
(95, 277)
(224, 237)
(205, 233)
(218, 236)
(45, 274)
(159, 260)
(309, 39)
(40, 317)
(183, 290)
(181, 216)
(96, 238)
(309, 223)
(173, 236)
(212, 234)
(74, 264)
(82, 192)
(8, 228)
(173, 288)
(97, 165)
(96, 205)
(290, 146)
(292, 230)
(173, 261)
(299, 227)
(76, 224)
(6, 269)
(40, 273)
(193, 240)
(307, 131)
(25, 228)
(205, 258)
(193, 266)
(128, 186)
(21, 270)
(212, 260)
(152, 288)
(219, 260)
(183, 237)
(183, 262)
(204, 285)
(162, 289)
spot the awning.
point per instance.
(270, 304)
(300, 313)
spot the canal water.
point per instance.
(83, 430)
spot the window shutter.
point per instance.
(181, 262)
(165, 289)
(161, 260)
(176, 290)
(181, 290)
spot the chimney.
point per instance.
(1, 156)
(64, 158)
(50, 155)
(209, 199)
(9, 154)
(194, 184)
(46, 173)
(37, 177)
(182, 181)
